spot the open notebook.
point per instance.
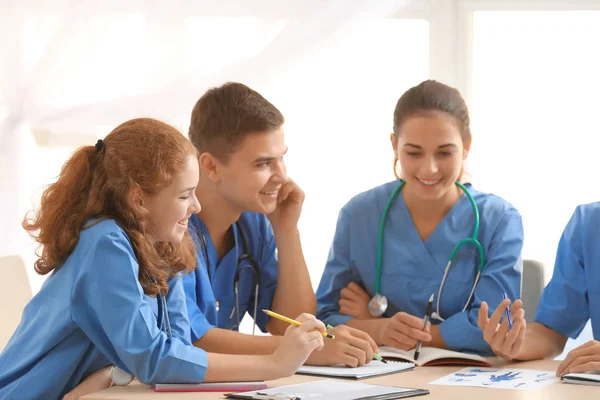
(374, 368)
(591, 378)
(430, 356)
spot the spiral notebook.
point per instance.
(374, 368)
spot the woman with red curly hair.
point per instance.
(113, 235)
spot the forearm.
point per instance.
(541, 342)
(371, 326)
(224, 341)
(294, 294)
(95, 382)
(436, 338)
(231, 368)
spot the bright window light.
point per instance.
(535, 103)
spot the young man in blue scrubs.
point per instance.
(571, 298)
(248, 245)
(428, 215)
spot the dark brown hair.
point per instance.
(97, 182)
(224, 115)
(431, 96)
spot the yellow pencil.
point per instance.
(294, 322)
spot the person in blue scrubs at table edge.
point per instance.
(248, 244)
(114, 238)
(428, 217)
(571, 298)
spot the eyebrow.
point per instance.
(443, 146)
(188, 189)
(265, 159)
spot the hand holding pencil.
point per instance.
(324, 334)
(283, 318)
(301, 338)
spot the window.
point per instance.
(535, 99)
(534, 113)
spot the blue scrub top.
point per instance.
(573, 294)
(202, 295)
(92, 312)
(412, 269)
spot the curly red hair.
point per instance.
(103, 183)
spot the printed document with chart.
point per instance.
(498, 378)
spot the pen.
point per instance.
(426, 319)
(375, 355)
(294, 322)
(510, 324)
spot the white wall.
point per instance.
(531, 92)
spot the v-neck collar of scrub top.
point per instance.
(428, 246)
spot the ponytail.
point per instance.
(62, 214)
(104, 181)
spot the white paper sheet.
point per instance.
(374, 368)
(331, 390)
(499, 378)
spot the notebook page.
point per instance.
(374, 368)
(432, 353)
(428, 354)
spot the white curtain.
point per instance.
(74, 70)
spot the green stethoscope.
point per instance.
(378, 304)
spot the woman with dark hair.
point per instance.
(113, 234)
(428, 234)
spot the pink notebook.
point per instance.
(210, 387)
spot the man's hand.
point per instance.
(351, 347)
(289, 206)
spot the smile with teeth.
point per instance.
(429, 182)
(183, 222)
(269, 193)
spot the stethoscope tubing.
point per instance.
(472, 239)
(253, 266)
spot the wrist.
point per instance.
(283, 230)
(375, 327)
(272, 366)
(378, 330)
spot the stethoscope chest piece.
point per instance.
(378, 305)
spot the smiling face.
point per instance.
(253, 175)
(170, 208)
(431, 154)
